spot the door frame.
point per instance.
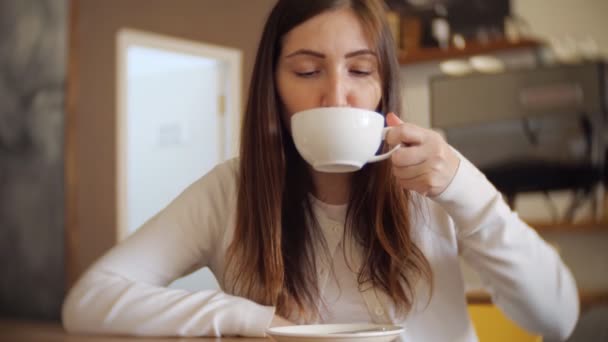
(70, 170)
(231, 58)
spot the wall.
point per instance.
(577, 19)
(232, 23)
(32, 76)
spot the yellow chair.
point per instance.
(492, 325)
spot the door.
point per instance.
(178, 106)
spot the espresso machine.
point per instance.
(531, 130)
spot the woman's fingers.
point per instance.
(426, 163)
(279, 321)
(412, 171)
(409, 156)
(405, 133)
(393, 120)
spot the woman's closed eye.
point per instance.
(360, 72)
(307, 73)
(354, 72)
(361, 68)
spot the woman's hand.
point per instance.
(279, 321)
(426, 163)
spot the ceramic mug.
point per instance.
(339, 139)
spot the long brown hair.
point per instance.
(271, 256)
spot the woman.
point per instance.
(290, 244)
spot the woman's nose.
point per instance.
(335, 93)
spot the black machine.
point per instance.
(533, 130)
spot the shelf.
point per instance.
(436, 54)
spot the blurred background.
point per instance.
(108, 109)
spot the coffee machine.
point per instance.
(531, 130)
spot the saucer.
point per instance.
(357, 332)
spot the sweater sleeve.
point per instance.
(524, 275)
(125, 291)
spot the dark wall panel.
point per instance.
(32, 77)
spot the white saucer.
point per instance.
(360, 332)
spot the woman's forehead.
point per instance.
(337, 31)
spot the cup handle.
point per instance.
(387, 154)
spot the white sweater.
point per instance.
(125, 291)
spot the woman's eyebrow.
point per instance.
(317, 54)
(360, 53)
(306, 52)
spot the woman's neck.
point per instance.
(331, 188)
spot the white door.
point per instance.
(178, 106)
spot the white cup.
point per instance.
(339, 139)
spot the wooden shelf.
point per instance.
(472, 48)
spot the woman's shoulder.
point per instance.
(217, 187)
(223, 176)
(227, 169)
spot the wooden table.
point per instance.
(28, 331)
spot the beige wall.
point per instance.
(562, 18)
(232, 23)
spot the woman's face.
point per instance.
(328, 61)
